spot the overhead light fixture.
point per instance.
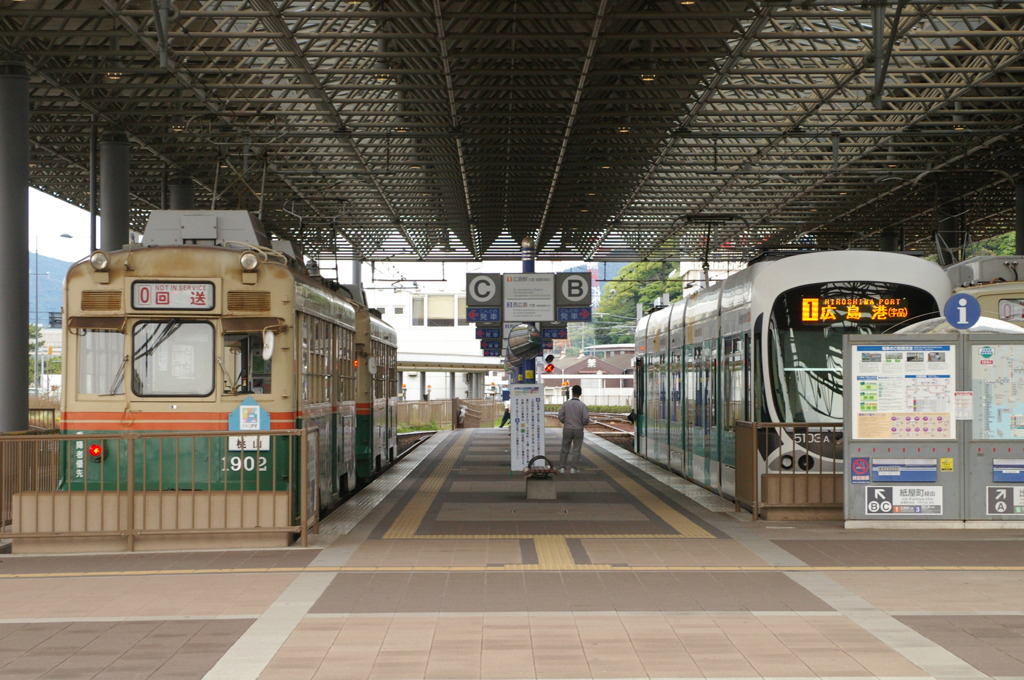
(623, 129)
(687, 2)
(178, 124)
(382, 71)
(647, 74)
(115, 69)
(958, 118)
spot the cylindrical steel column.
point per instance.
(1018, 218)
(528, 370)
(183, 194)
(14, 273)
(889, 241)
(114, 217)
(357, 274)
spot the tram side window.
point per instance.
(172, 358)
(101, 361)
(348, 371)
(247, 371)
(316, 351)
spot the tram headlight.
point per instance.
(249, 261)
(99, 260)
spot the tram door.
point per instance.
(677, 430)
(640, 408)
(712, 443)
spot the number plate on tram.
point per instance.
(172, 295)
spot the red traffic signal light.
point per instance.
(549, 368)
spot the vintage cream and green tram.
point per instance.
(208, 327)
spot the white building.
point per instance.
(430, 319)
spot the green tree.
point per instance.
(1005, 244)
(639, 282)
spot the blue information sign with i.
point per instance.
(962, 310)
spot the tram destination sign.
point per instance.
(171, 295)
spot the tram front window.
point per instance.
(172, 358)
(805, 340)
(100, 362)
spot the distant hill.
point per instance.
(51, 287)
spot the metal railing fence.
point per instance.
(789, 467)
(42, 418)
(142, 486)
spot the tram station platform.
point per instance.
(443, 569)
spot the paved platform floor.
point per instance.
(442, 569)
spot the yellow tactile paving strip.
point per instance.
(407, 523)
(682, 525)
(553, 553)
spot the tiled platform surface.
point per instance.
(442, 569)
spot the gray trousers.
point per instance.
(572, 443)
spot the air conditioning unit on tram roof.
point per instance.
(204, 228)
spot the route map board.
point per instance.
(904, 392)
(997, 380)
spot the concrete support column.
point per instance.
(14, 272)
(1018, 217)
(183, 194)
(114, 216)
(423, 385)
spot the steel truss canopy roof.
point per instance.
(606, 130)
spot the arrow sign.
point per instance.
(573, 314)
(879, 494)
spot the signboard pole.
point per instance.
(529, 365)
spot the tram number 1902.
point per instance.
(245, 462)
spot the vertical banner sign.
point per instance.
(527, 424)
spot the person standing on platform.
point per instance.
(506, 397)
(574, 416)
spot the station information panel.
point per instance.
(935, 427)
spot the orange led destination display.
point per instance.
(813, 309)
